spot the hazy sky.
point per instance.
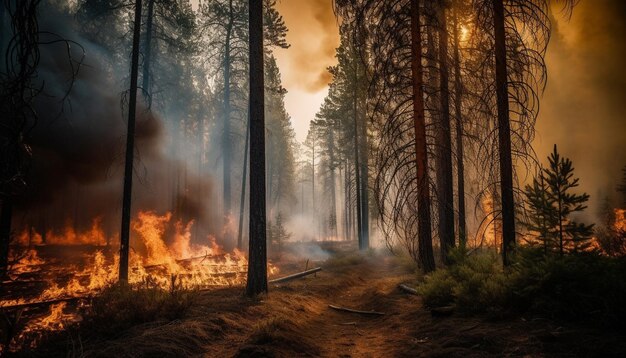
(314, 36)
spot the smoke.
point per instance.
(78, 146)
(584, 106)
(313, 37)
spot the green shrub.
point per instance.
(571, 287)
(471, 283)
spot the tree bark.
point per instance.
(226, 138)
(257, 258)
(444, 145)
(365, 220)
(130, 148)
(333, 194)
(425, 244)
(458, 89)
(243, 185)
(504, 134)
(147, 56)
(359, 208)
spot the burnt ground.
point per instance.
(294, 320)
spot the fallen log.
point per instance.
(189, 259)
(296, 275)
(42, 303)
(442, 311)
(407, 289)
(350, 310)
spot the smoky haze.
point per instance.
(78, 146)
(584, 106)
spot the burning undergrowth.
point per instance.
(53, 280)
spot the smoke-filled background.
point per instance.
(77, 170)
(584, 106)
(78, 143)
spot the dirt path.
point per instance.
(302, 324)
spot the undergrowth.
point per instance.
(121, 307)
(581, 286)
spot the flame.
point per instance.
(69, 237)
(488, 230)
(620, 220)
(163, 254)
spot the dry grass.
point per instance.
(294, 321)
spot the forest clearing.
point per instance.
(323, 178)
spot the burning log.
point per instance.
(350, 310)
(42, 303)
(296, 275)
(189, 259)
(407, 289)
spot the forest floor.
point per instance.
(295, 320)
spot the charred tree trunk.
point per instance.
(458, 89)
(504, 134)
(425, 243)
(130, 148)
(444, 145)
(257, 258)
(147, 56)
(243, 185)
(226, 139)
(6, 214)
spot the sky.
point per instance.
(314, 36)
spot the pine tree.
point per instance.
(541, 219)
(552, 204)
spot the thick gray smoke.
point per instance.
(78, 146)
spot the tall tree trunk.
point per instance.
(147, 56)
(365, 220)
(313, 186)
(130, 148)
(348, 198)
(359, 208)
(333, 194)
(444, 145)
(226, 138)
(504, 134)
(257, 258)
(243, 185)
(458, 89)
(425, 243)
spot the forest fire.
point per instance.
(158, 256)
(81, 264)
